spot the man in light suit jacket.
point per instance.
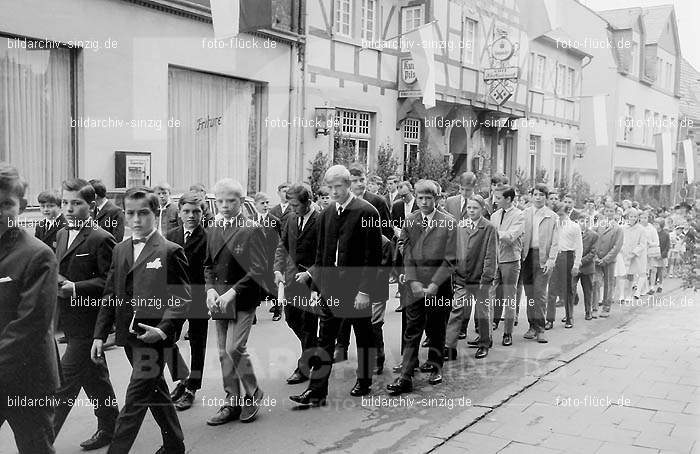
(539, 256)
(609, 244)
(107, 214)
(509, 221)
(429, 259)
(84, 252)
(150, 272)
(28, 353)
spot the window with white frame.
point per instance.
(411, 18)
(342, 23)
(354, 130)
(539, 62)
(561, 155)
(369, 19)
(411, 141)
(561, 75)
(534, 152)
(470, 30)
(570, 82)
(628, 127)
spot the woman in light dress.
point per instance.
(634, 253)
(653, 254)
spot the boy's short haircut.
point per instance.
(82, 187)
(141, 192)
(300, 193)
(508, 192)
(192, 197)
(198, 187)
(260, 196)
(541, 187)
(281, 186)
(357, 171)
(49, 197)
(427, 187)
(100, 188)
(323, 191)
(229, 184)
(162, 187)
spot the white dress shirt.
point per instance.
(408, 207)
(138, 248)
(305, 219)
(571, 239)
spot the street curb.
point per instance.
(469, 417)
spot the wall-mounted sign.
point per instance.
(209, 122)
(506, 72)
(502, 49)
(408, 71)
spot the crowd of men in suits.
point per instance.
(325, 259)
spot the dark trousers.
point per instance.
(304, 322)
(32, 425)
(197, 331)
(587, 286)
(608, 285)
(434, 321)
(343, 341)
(79, 372)
(329, 326)
(535, 286)
(147, 390)
(560, 285)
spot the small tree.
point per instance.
(580, 188)
(541, 175)
(522, 182)
(430, 166)
(319, 165)
(387, 163)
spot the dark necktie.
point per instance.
(188, 234)
(340, 210)
(301, 224)
(138, 240)
(503, 216)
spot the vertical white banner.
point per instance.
(600, 118)
(689, 160)
(224, 16)
(422, 44)
(667, 158)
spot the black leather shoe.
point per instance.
(481, 352)
(435, 378)
(426, 367)
(296, 378)
(360, 389)
(548, 325)
(474, 342)
(100, 439)
(588, 317)
(563, 320)
(62, 340)
(309, 397)
(426, 343)
(515, 323)
(397, 369)
(462, 336)
(340, 355)
(507, 340)
(495, 326)
(450, 354)
(178, 391)
(569, 324)
(185, 402)
(162, 450)
(400, 386)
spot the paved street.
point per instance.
(646, 355)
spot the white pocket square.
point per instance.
(6, 279)
(82, 255)
(155, 264)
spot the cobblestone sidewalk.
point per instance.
(636, 392)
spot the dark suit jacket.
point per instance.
(296, 251)
(381, 290)
(86, 263)
(28, 286)
(398, 217)
(196, 252)
(383, 209)
(389, 200)
(158, 284)
(111, 218)
(276, 211)
(46, 230)
(236, 259)
(477, 257)
(272, 228)
(169, 218)
(590, 240)
(358, 249)
(429, 255)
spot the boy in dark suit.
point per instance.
(28, 355)
(107, 214)
(234, 270)
(146, 296)
(272, 228)
(167, 215)
(295, 254)
(345, 272)
(192, 238)
(429, 260)
(47, 228)
(84, 252)
(282, 209)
